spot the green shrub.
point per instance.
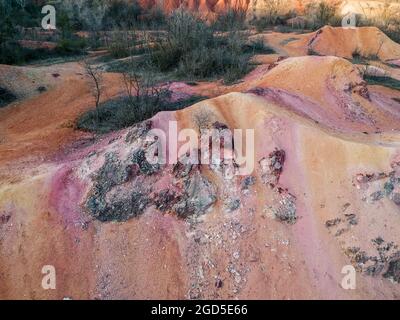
(261, 24)
(11, 52)
(192, 49)
(154, 19)
(71, 46)
(124, 112)
(288, 29)
(275, 13)
(21, 13)
(124, 44)
(322, 14)
(232, 19)
(393, 34)
(120, 45)
(121, 14)
(389, 23)
(258, 46)
(6, 97)
(383, 81)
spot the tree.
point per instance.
(95, 77)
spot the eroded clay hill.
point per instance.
(366, 42)
(258, 8)
(324, 193)
(350, 42)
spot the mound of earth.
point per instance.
(284, 231)
(349, 43)
(368, 42)
(327, 90)
(39, 123)
(25, 82)
(330, 91)
(324, 192)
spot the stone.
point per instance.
(199, 195)
(139, 158)
(376, 196)
(396, 198)
(233, 204)
(332, 222)
(166, 199)
(247, 182)
(286, 209)
(393, 271)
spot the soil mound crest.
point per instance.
(368, 42)
(330, 91)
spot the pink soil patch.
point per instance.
(65, 196)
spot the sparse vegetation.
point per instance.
(121, 44)
(316, 15)
(95, 78)
(121, 15)
(203, 119)
(18, 14)
(185, 47)
(123, 112)
(260, 24)
(383, 81)
(286, 41)
(388, 21)
(258, 46)
(142, 100)
(95, 15)
(320, 14)
(274, 12)
(358, 58)
(193, 50)
(230, 20)
(6, 97)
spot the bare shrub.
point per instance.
(202, 118)
(320, 14)
(192, 49)
(388, 20)
(95, 77)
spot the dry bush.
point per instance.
(193, 50)
(320, 14)
(275, 9)
(142, 100)
(95, 80)
(203, 119)
(273, 13)
(388, 20)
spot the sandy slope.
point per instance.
(368, 42)
(160, 256)
(341, 144)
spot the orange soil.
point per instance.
(294, 105)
